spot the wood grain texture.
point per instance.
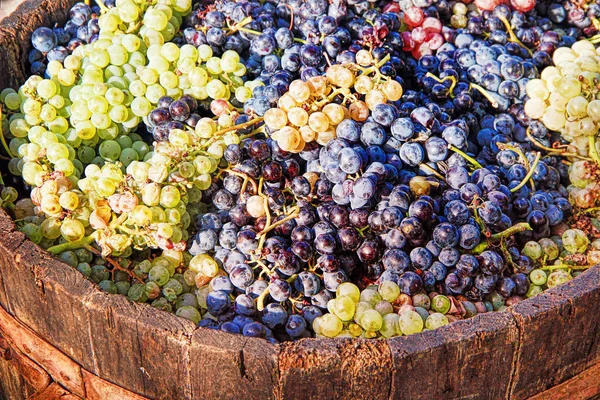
(58, 326)
(139, 347)
(33, 374)
(232, 366)
(584, 386)
(559, 334)
(467, 359)
(335, 369)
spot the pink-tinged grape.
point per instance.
(432, 25)
(523, 5)
(487, 5)
(414, 16)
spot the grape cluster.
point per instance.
(300, 168)
(55, 45)
(307, 114)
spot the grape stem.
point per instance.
(593, 149)
(446, 78)
(103, 8)
(512, 37)
(529, 174)
(263, 267)
(134, 27)
(433, 171)
(291, 16)
(484, 93)
(465, 156)
(375, 67)
(129, 272)
(570, 267)
(294, 213)
(245, 177)
(59, 248)
(3, 140)
(261, 242)
(229, 129)
(233, 29)
(518, 150)
(260, 300)
(520, 227)
(552, 150)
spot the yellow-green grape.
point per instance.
(389, 291)
(558, 277)
(51, 228)
(593, 110)
(436, 320)
(553, 119)
(371, 320)
(72, 230)
(538, 277)
(370, 296)
(329, 325)
(577, 107)
(69, 201)
(441, 304)
(410, 322)
(344, 307)
(575, 241)
(535, 108)
(390, 326)
(349, 290)
(536, 89)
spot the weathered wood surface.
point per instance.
(109, 347)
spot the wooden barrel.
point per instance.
(61, 337)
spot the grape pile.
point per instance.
(298, 168)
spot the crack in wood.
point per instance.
(516, 357)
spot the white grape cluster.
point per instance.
(374, 312)
(566, 97)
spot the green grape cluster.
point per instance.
(383, 311)
(566, 99)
